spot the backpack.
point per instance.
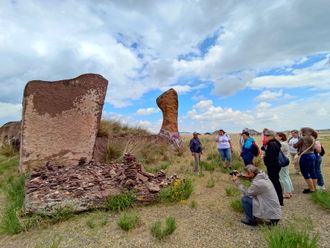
(322, 151)
(283, 160)
(255, 149)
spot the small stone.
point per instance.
(153, 187)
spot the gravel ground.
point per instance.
(211, 224)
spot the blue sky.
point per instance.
(234, 64)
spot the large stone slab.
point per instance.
(10, 133)
(60, 120)
(169, 104)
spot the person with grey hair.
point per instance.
(272, 150)
(260, 200)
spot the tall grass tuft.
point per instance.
(120, 202)
(289, 236)
(237, 205)
(322, 198)
(14, 191)
(208, 166)
(210, 183)
(158, 232)
(128, 221)
(179, 190)
(232, 191)
(8, 150)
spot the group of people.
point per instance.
(264, 198)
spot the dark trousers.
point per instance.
(273, 174)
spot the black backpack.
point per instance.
(255, 149)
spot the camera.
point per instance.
(234, 173)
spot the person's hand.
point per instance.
(193, 153)
(234, 178)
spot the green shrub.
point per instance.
(114, 151)
(322, 198)
(179, 190)
(8, 150)
(237, 205)
(14, 191)
(232, 191)
(128, 221)
(120, 202)
(290, 236)
(158, 232)
(210, 183)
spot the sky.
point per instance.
(234, 64)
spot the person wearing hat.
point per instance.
(195, 146)
(260, 199)
(272, 150)
(246, 152)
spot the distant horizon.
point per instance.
(233, 64)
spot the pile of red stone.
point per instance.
(87, 186)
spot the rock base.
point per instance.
(87, 186)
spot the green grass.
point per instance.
(210, 183)
(128, 221)
(14, 191)
(208, 166)
(232, 191)
(193, 204)
(154, 169)
(179, 190)
(158, 232)
(120, 202)
(322, 198)
(289, 236)
(237, 205)
(97, 219)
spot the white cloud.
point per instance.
(136, 45)
(291, 115)
(203, 104)
(10, 112)
(300, 78)
(269, 95)
(263, 105)
(146, 111)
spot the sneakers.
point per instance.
(249, 223)
(321, 188)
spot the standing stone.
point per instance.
(10, 133)
(168, 103)
(61, 120)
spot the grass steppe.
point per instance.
(206, 219)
